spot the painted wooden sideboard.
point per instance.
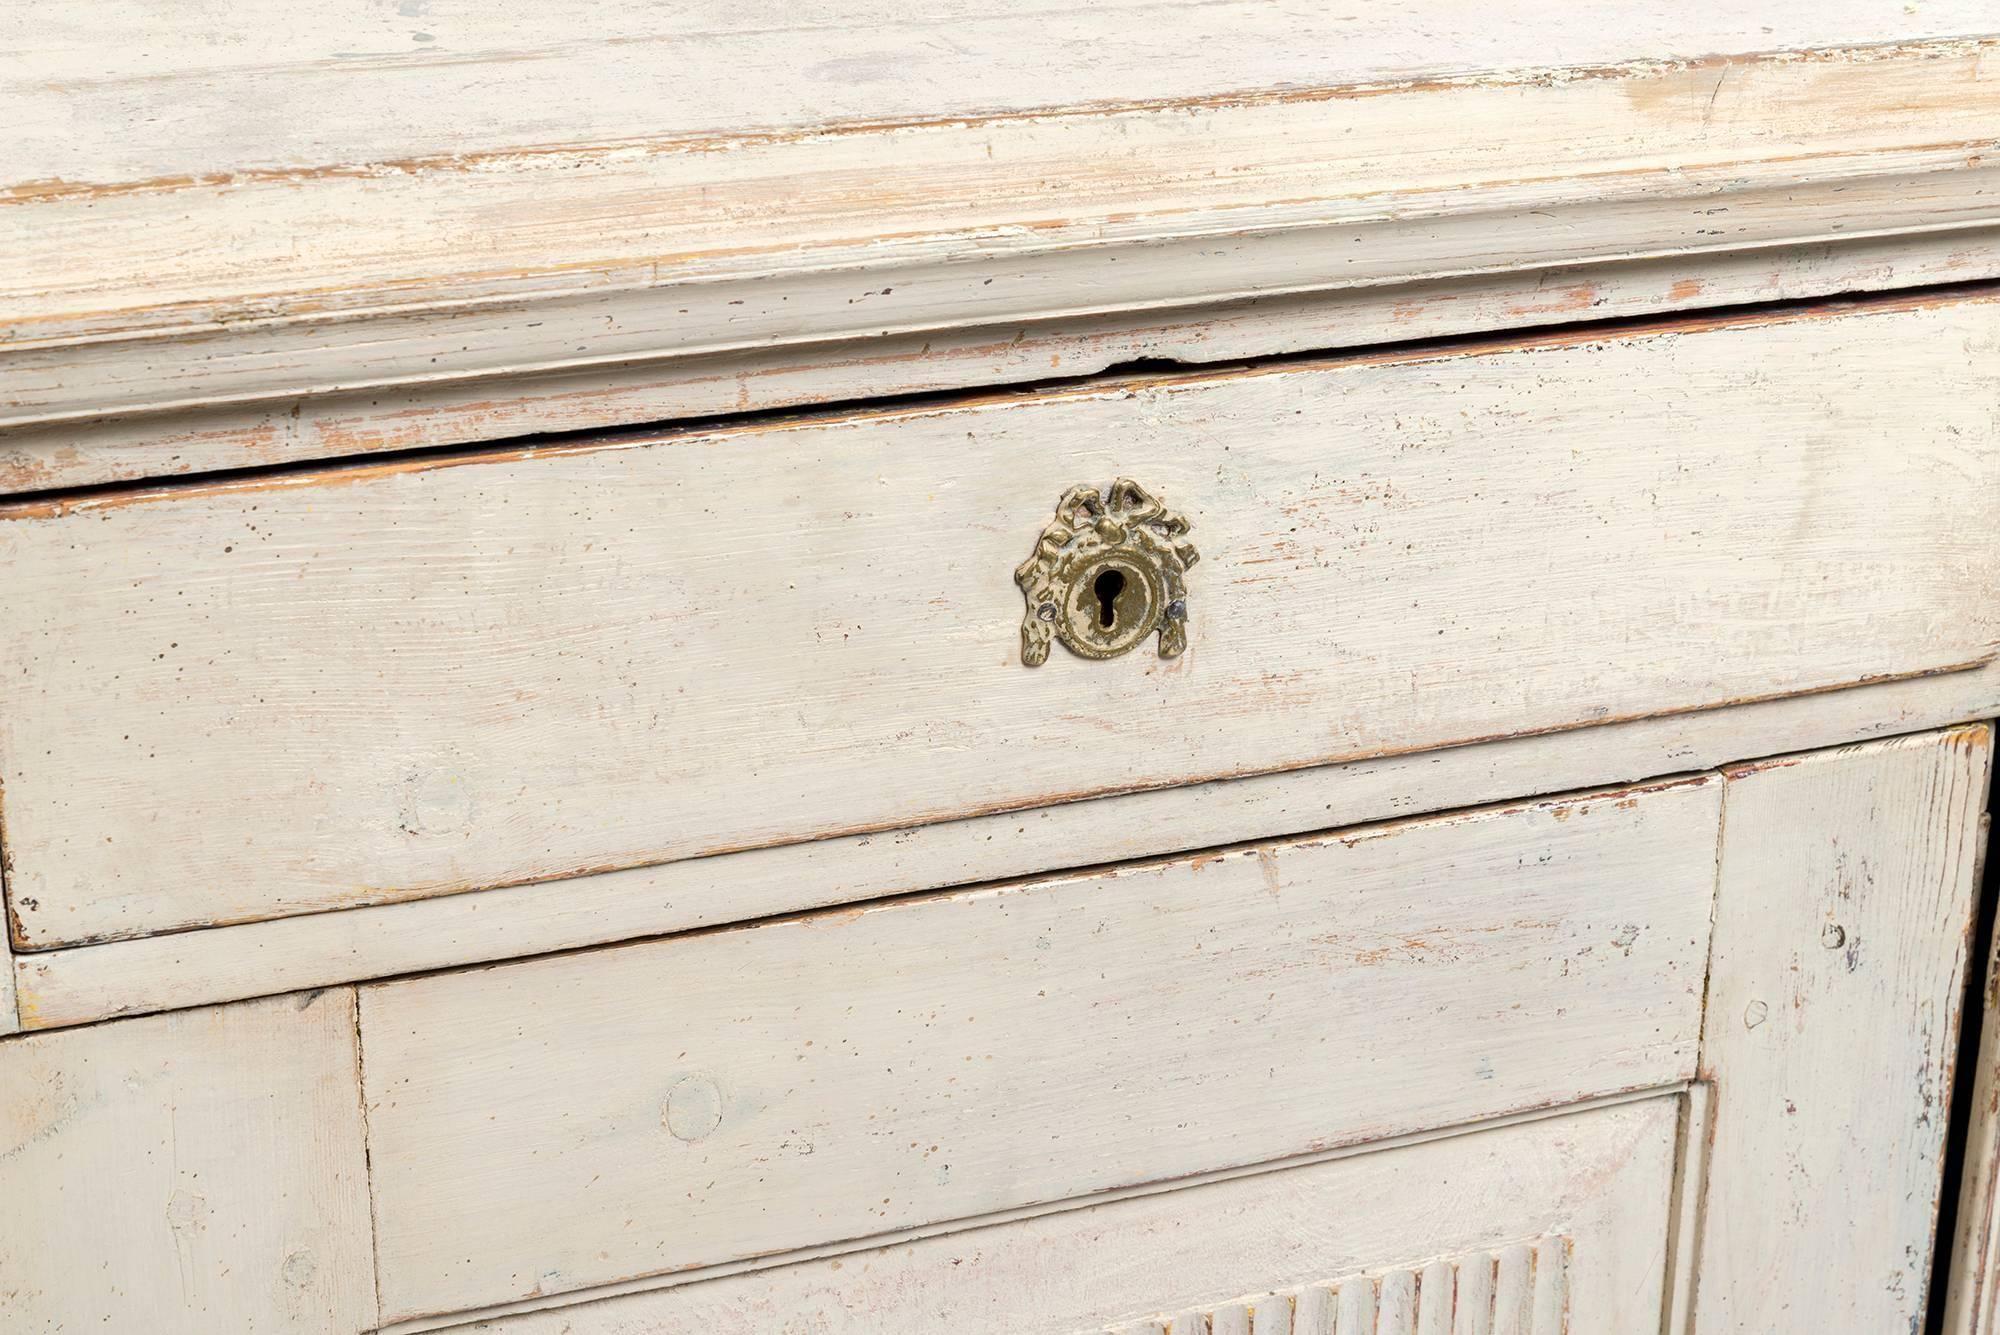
(1139, 668)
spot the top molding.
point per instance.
(344, 203)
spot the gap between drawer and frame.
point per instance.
(83, 984)
(88, 981)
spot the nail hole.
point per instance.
(1107, 587)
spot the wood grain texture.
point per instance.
(1972, 1292)
(1521, 1289)
(709, 1098)
(1601, 1176)
(228, 88)
(878, 178)
(250, 434)
(10, 1015)
(318, 690)
(187, 1175)
(86, 983)
(1843, 906)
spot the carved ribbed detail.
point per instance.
(1521, 1289)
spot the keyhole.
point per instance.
(1107, 587)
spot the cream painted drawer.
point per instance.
(248, 699)
(1545, 1227)
(594, 1118)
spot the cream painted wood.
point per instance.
(316, 690)
(1972, 1293)
(86, 983)
(190, 1174)
(709, 1098)
(1843, 905)
(1519, 1289)
(225, 92)
(1597, 1180)
(1690, 1190)
(10, 1018)
(72, 453)
(525, 224)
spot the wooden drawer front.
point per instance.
(555, 1124)
(243, 700)
(187, 1174)
(1511, 1231)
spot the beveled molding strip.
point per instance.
(1739, 173)
(1552, 1269)
(82, 984)
(1522, 1289)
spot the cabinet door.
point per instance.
(648, 1111)
(1844, 907)
(1552, 1225)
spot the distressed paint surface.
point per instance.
(1972, 1294)
(317, 690)
(710, 1098)
(1521, 1289)
(254, 433)
(556, 208)
(85, 983)
(1600, 1176)
(187, 1175)
(1844, 902)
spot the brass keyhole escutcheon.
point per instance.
(1108, 571)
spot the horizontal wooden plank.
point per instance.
(705, 1099)
(310, 691)
(187, 1174)
(263, 432)
(81, 984)
(269, 85)
(161, 271)
(1593, 1184)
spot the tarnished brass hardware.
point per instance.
(1109, 570)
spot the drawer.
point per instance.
(308, 690)
(1549, 1226)
(652, 1109)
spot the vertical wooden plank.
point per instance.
(1552, 1286)
(1314, 1314)
(1684, 1236)
(1972, 1293)
(1473, 1314)
(1357, 1306)
(1845, 899)
(1397, 1314)
(1272, 1314)
(10, 1015)
(1230, 1319)
(1514, 1292)
(187, 1174)
(1437, 1290)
